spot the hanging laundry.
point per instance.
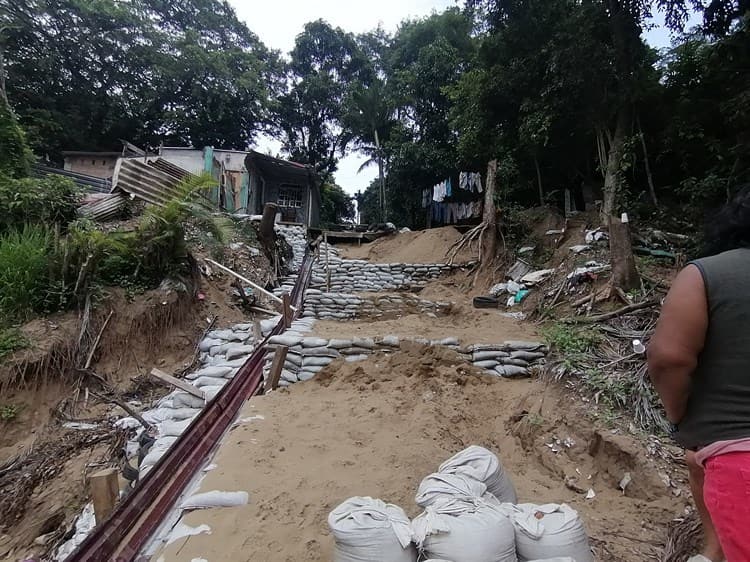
(463, 180)
(448, 187)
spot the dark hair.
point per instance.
(729, 228)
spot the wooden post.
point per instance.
(105, 490)
(246, 280)
(287, 310)
(257, 331)
(276, 366)
(328, 268)
(624, 273)
(489, 238)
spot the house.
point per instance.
(249, 180)
(95, 164)
(292, 186)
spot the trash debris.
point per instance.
(512, 287)
(520, 295)
(518, 270)
(579, 248)
(626, 479)
(499, 289)
(526, 249)
(596, 236)
(554, 232)
(591, 494)
(514, 315)
(654, 253)
(537, 276)
(638, 347)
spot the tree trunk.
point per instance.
(266, 231)
(3, 94)
(539, 180)
(624, 273)
(381, 177)
(647, 163)
(489, 238)
(613, 176)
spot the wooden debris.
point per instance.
(178, 383)
(272, 382)
(105, 491)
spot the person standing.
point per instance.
(699, 363)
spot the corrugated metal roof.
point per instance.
(90, 184)
(145, 181)
(108, 207)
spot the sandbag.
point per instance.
(369, 530)
(185, 400)
(465, 530)
(482, 465)
(438, 485)
(544, 531)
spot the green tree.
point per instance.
(324, 64)
(336, 205)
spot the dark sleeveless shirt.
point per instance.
(719, 404)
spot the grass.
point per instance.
(11, 340)
(9, 412)
(24, 271)
(567, 339)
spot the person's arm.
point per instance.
(678, 340)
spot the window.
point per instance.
(290, 197)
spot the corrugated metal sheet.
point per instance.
(108, 207)
(146, 182)
(90, 184)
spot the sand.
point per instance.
(422, 246)
(378, 427)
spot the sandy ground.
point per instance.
(378, 427)
(422, 246)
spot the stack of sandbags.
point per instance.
(369, 530)
(509, 359)
(546, 531)
(482, 465)
(362, 276)
(464, 529)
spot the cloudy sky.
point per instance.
(278, 22)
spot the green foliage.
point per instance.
(82, 75)
(15, 155)
(336, 205)
(51, 200)
(9, 412)
(24, 271)
(11, 340)
(570, 340)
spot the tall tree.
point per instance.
(323, 65)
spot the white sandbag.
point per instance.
(211, 391)
(237, 350)
(316, 361)
(483, 465)
(185, 400)
(286, 340)
(557, 559)
(510, 371)
(174, 428)
(524, 345)
(157, 451)
(213, 371)
(201, 382)
(314, 342)
(339, 344)
(550, 530)
(438, 485)
(488, 364)
(215, 498)
(288, 376)
(465, 530)
(369, 530)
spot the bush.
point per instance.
(15, 155)
(24, 271)
(52, 200)
(11, 339)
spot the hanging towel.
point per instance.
(448, 187)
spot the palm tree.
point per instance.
(370, 118)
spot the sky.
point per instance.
(278, 23)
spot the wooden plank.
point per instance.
(174, 381)
(105, 491)
(287, 310)
(246, 280)
(272, 382)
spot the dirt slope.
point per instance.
(378, 427)
(422, 246)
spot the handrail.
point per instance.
(138, 516)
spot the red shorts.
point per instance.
(726, 492)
